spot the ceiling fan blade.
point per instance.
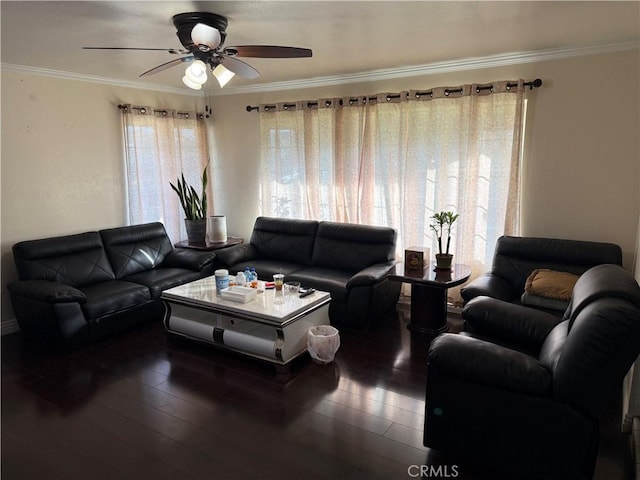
(270, 51)
(239, 67)
(173, 51)
(167, 65)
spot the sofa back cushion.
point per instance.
(74, 260)
(350, 247)
(136, 248)
(516, 257)
(284, 239)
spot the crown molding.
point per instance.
(45, 72)
(473, 63)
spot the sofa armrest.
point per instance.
(476, 361)
(195, 260)
(237, 254)
(46, 291)
(490, 285)
(370, 275)
(508, 323)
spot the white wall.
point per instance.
(62, 150)
(62, 158)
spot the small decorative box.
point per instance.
(239, 294)
(416, 259)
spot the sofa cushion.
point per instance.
(350, 247)
(136, 248)
(74, 260)
(106, 298)
(325, 279)
(160, 279)
(266, 268)
(284, 239)
(538, 301)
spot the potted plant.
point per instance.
(441, 221)
(194, 206)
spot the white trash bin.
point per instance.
(323, 342)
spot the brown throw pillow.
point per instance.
(551, 284)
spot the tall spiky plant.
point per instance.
(194, 205)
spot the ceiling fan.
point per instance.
(202, 35)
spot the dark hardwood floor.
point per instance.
(141, 406)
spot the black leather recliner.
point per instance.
(77, 289)
(516, 257)
(536, 416)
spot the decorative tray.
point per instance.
(239, 294)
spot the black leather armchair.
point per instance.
(536, 416)
(516, 257)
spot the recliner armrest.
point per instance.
(489, 285)
(190, 259)
(238, 253)
(476, 361)
(370, 275)
(524, 327)
(46, 291)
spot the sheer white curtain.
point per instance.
(160, 145)
(397, 159)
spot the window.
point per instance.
(396, 162)
(161, 145)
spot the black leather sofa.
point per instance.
(77, 289)
(536, 415)
(349, 261)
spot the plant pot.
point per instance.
(196, 231)
(443, 261)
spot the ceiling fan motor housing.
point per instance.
(184, 23)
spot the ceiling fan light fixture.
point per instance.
(223, 75)
(197, 72)
(191, 84)
(206, 37)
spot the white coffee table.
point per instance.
(272, 327)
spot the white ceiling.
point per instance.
(347, 37)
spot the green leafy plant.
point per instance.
(194, 205)
(441, 221)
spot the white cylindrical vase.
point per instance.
(217, 229)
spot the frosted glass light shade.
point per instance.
(205, 35)
(223, 75)
(197, 72)
(190, 84)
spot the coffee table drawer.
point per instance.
(275, 343)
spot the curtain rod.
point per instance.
(162, 111)
(533, 84)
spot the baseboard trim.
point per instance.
(635, 447)
(9, 326)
